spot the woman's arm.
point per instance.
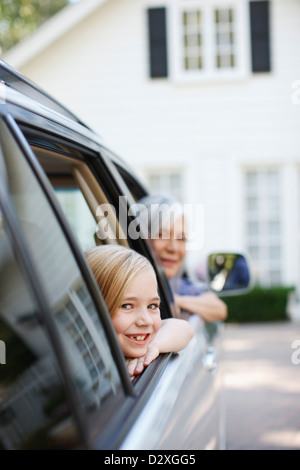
(207, 305)
(173, 336)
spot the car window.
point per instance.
(80, 218)
(94, 374)
(87, 192)
(87, 208)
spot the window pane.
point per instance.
(192, 40)
(167, 183)
(79, 216)
(253, 228)
(263, 224)
(273, 178)
(154, 182)
(254, 252)
(224, 39)
(252, 203)
(273, 203)
(96, 379)
(274, 228)
(275, 252)
(251, 178)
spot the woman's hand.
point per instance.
(136, 365)
(207, 305)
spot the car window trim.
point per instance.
(22, 253)
(115, 432)
(79, 258)
(27, 119)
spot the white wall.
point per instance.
(214, 130)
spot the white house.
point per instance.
(202, 97)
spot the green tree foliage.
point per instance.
(19, 18)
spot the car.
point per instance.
(64, 383)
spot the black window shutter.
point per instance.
(260, 36)
(157, 28)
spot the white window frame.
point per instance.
(209, 71)
(265, 264)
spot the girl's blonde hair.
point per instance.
(114, 267)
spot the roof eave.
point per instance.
(50, 31)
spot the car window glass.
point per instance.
(30, 382)
(82, 199)
(78, 214)
(94, 372)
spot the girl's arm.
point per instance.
(173, 336)
(208, 306)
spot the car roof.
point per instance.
(17, 81)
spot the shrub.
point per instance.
(258, 305)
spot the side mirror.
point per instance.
(228, 273)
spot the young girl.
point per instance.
(128, 284)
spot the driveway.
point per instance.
(262, 390)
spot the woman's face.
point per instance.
(137, 319)
(171, 247)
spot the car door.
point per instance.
(103, 405)
(65, 370)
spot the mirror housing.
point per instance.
(228, 273)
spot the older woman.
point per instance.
(165, 223)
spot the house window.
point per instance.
(210, 39)
(207, 40)
(169, 182)
(193, 30)
(224, 38)
(263, 225)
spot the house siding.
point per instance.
(213, 130)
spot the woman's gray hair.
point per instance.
(158, 212)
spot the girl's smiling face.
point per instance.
(137, 319)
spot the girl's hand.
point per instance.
(136, 365)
